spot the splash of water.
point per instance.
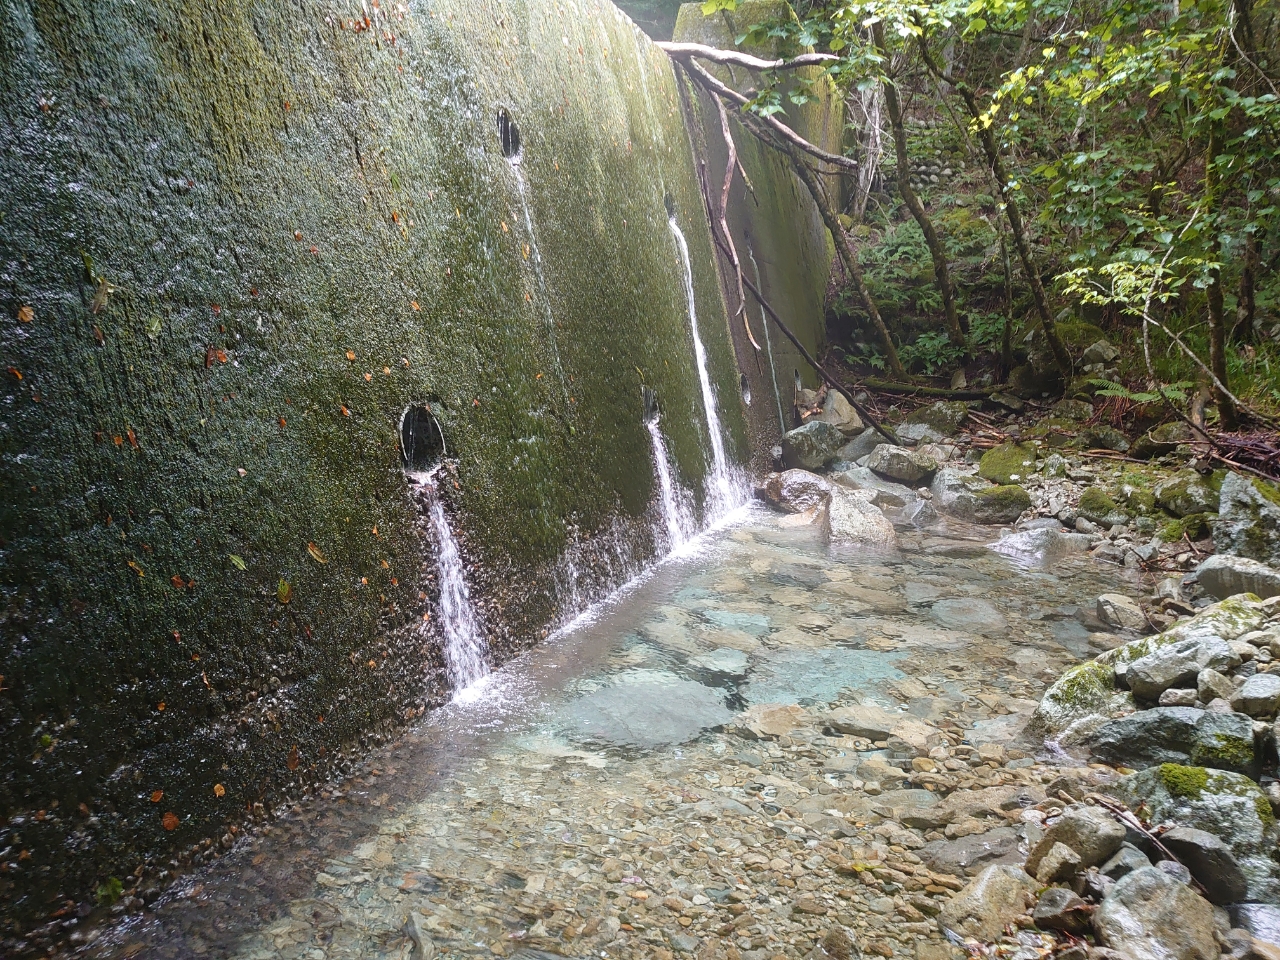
(535, 256)
(465, 650)
(722, 489)
(676, 516)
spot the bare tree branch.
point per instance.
(683, 51)
(731, 164)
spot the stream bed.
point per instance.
(605, 794)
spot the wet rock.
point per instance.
(1150, 916)
(1124, 861)
(1177, 735)
(901, 464)
(1262, 920)
(1186, 493)
(1258, 696)
(1096, 507)
(840, 413)
(854, 519)
(769, 720)
(937, 421)
(812, 446)
(1102, 437)
(968, 854)
(1091, 832)
(1060, 862)
(1120, 612)
(996, 897)
(1229, 806)
(424, 947)
(1224, 575)
(1008, 463)
(1248, 522)
(794, 491)
(1212, 685)
(1060, 909)
(1085, 690)
(970, 498)
(1040, 547)
(861, 445)
(1178, 665)
(881, 492)
(1210, 861)
(647, 708)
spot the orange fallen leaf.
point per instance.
(133, 438)
(219, 790)
(414, 304)
(177, 581)
(291, 761)
(297, 234)
(368, 377)
(26, 314)
(222, 356)
(136, 569)
(505, 228)
(351, 355)
(169, 821)
(16, 372)
(345, 411)
(375, 530)
(160, 706)
(118, 440)
(316, 555)
(385, 565)
(283, 422)
(156, 795)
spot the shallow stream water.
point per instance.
(594, 798)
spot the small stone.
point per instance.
(1178, 698)
(1124, 861)
(1212, 685)
(901, 464)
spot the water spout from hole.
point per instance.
(677, 517)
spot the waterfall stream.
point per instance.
(676, 516)
(722, 491)
(464, 644)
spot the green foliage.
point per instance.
(110, 891)
(932, 351)
(1177, 392)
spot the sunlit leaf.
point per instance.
(284, 591)
(236, 561)
(316, 555)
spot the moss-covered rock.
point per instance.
(1103, 437)
(1248, 523)
(1194, 526)
(1085, 690)
(1228, 619)
(1187, 492)
(1228, 805)
(935, 421)
(1056, 432)
(1097, 507)
(1008, 463)
(1003, 503)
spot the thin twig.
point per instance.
(731, 164)
(738, 59)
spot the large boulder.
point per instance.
(935, 422)
(1148, 915)
(1178, 665)
(1008, 463)
(1224, 575)
(812, 446)
(881, 492)
(839, 412)
(854, 519)
(794, 491)
(972, 499)
(1230, 806)
(1248, 522)
(1180, 735)
(996, 897)
(1226, 620)
(1086, 690)
(1093, 833)
(1210, 861)
(901, 464)
(1259, 695)
(1186, 492)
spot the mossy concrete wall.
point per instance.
(238, 239)
(784, 247)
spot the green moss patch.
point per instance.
(1180, 781)
(1008, 463)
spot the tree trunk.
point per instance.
(848, 255)
(941, 275)
(1213, 295)
(992, 150)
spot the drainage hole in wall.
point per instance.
(746, 389)
(421, 440)
(508, 135)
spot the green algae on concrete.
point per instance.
(247, 241)
(780, 238)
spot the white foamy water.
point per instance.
(676, 516)
(723, 492)
(465, 650)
